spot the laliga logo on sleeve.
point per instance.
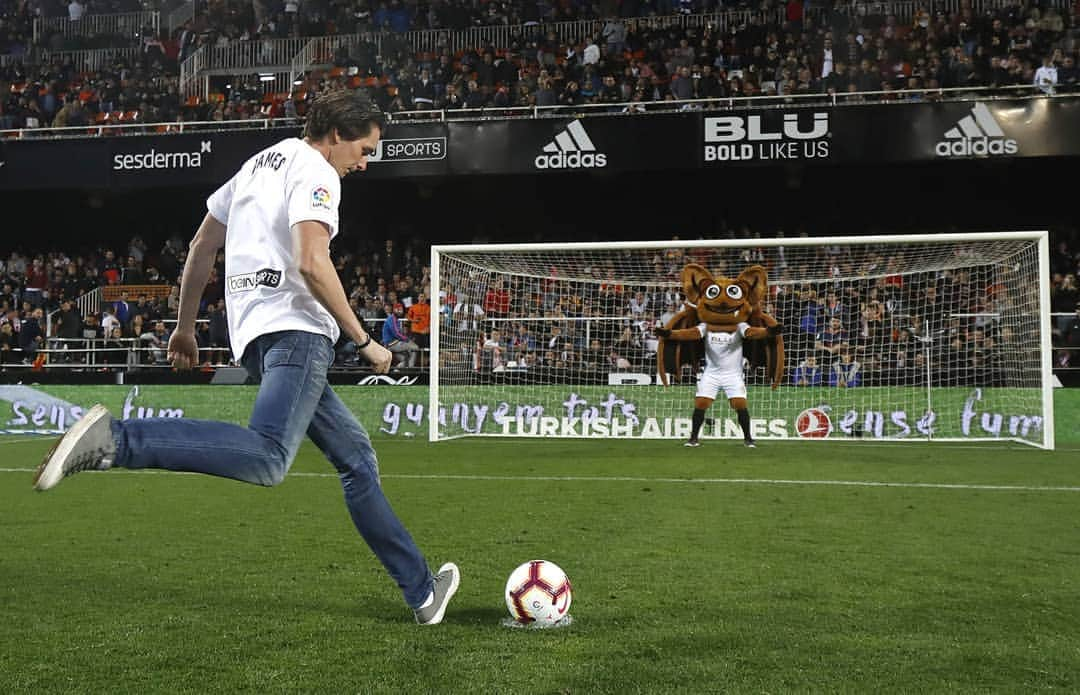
(813, 423)
(320, 198)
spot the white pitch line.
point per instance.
(641, 479)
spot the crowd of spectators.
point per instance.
(842, 48)
(848, 332)
(39, 309)
(870, 325)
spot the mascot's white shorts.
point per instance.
(711, 382)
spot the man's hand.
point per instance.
(378, 356)
(775, 330)
(183, 349)
(662, 332)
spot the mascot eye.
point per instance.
(734, 292)
(712, 292)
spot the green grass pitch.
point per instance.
(825, 567)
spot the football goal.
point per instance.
(911, 337)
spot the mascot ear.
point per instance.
(756, 278)
(694, 279)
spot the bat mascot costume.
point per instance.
(719, 314)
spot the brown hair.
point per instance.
(349, 111)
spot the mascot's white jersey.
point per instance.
(723, 350)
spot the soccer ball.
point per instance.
(539, 593)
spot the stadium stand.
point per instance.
(104, 62)
(238, 61)
(109, 310)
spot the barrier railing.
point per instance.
(136, 352)
(86, 303)
(726, 103)
(122, 354)
(128, 25)
(9, 59)
(322, 49)
(190, 74)
(903, 96)
(148, 128)
(251, 56)
(90, 59)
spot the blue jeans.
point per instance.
(293, 398)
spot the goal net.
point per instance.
(942, 337)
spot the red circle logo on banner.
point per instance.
(813, 423)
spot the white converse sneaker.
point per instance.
(88, 445)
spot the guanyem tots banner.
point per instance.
(609, 412)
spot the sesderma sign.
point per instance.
(152, 159)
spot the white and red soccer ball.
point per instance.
(538, 593)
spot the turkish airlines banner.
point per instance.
(610, 143)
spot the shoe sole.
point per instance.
(692, 446)
(62, 449)
(437, 618)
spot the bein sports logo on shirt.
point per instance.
(320, 198)
(266, 277)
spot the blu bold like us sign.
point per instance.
(751, 138)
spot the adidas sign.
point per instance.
(571, 149)
(976, 135)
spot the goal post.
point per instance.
(921, 337)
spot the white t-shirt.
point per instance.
(1046, 78)
(723, 351)
(591, 54)
(286, 183)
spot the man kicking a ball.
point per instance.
(286, 308)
